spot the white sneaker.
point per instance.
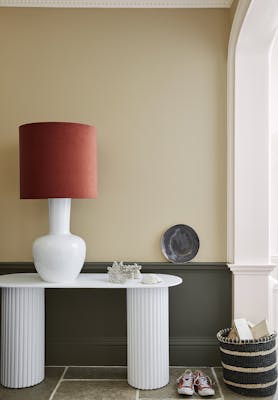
(186, 383)
(203, 384)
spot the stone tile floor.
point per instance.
(109, 383)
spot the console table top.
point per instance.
(94, 281)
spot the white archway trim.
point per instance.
(236, 27)
(118, 3)
(274, 144)
(249, 158)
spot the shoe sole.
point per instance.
(180, 391)
(206, 395)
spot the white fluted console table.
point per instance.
(23, 319)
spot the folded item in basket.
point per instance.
(246, 330)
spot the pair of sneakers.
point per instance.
(189, 382)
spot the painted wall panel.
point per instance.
(154, 84)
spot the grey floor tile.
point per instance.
(230, 395)
(96, 373)
(94, 390)
(42, 391)
(170, 391)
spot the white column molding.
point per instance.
(274, 151)
(253, 270)
(235, 30)
(251, 292)
(274, 260)
(248, 226)
(273, 300)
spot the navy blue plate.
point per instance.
(180, 244)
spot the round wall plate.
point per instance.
(180, 244)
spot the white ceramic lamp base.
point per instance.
(59, 256)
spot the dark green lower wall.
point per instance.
(88, 326)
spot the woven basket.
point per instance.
(249, 366)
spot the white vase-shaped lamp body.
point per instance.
(59, 256)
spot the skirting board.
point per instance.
(88, 327)
(112, 351)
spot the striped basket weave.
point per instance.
(249, 366)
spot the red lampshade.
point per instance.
(57, 159)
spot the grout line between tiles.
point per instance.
(87, 366)
(58, 384)
(218, 383)
(137, 394)
(93, 379)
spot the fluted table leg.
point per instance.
(148, 337)
(22, 337)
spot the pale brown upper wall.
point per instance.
(153, 82)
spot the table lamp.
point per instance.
(58, 162)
